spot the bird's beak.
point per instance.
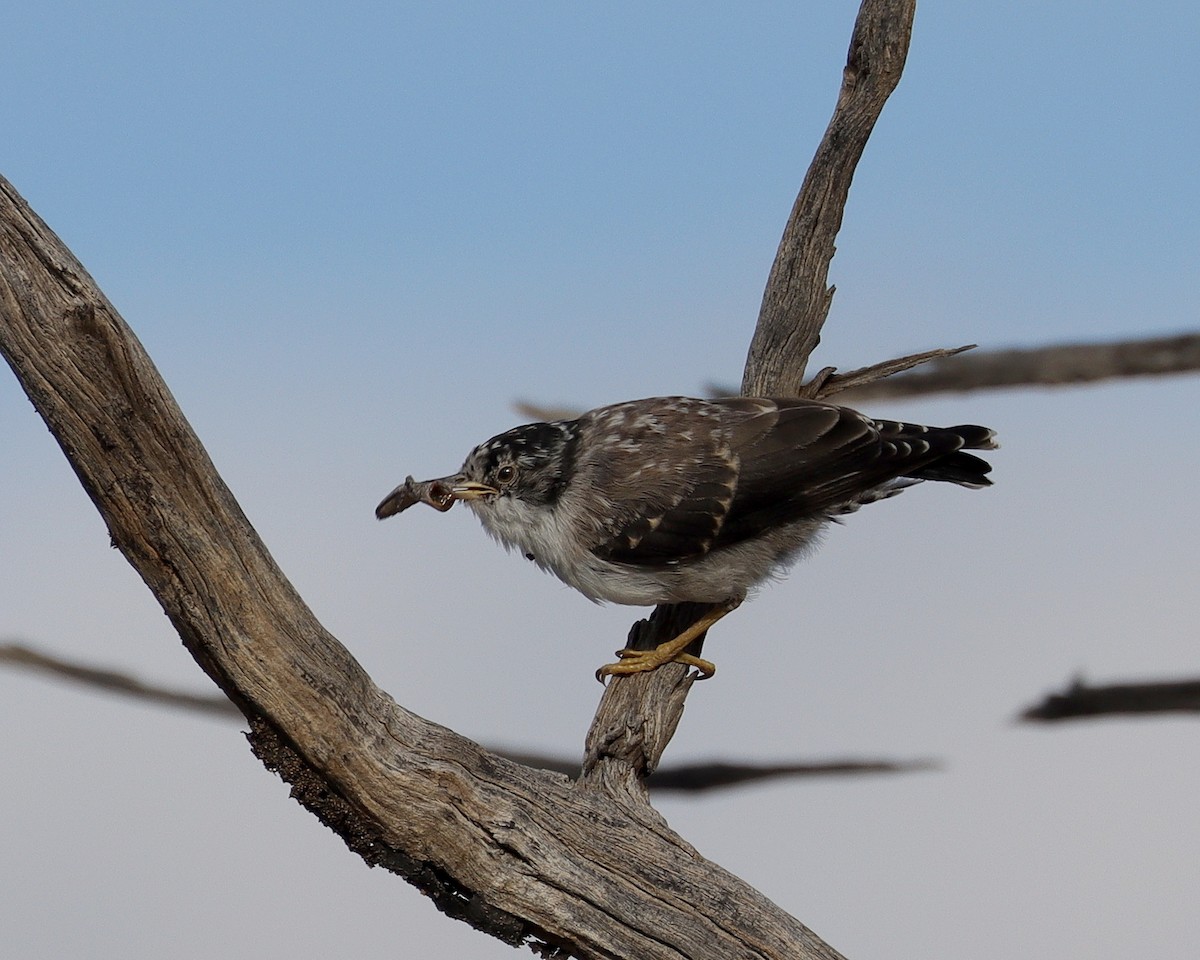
(439, 494)
(469, 489)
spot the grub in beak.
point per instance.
(439, 494)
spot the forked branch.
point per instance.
(519, 853)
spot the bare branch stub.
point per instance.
(828, 382)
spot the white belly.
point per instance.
(720, 575)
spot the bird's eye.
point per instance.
(506, 474)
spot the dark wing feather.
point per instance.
(695, 483)
(753, 465)
(802, 459)
(685, 528)
(670, 489)
(816, 459)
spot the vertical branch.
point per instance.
(797, 297)
(638, 714)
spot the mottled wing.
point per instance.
(806, 459)
(798, 459)
(671, 480)
(687, 476)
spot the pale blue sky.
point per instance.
(350, 238)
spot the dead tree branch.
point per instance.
(1057, 365)
(116, 681)
(692, 778)
(1080, 701)
(945, 371)
(797, 297)
(521, 854)
(829, 382)
(587, 869)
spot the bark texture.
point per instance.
(797, 297)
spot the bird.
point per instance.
(669, 500)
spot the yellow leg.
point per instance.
(639, 661)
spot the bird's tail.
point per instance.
(949, 461)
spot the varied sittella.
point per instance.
(674, 499)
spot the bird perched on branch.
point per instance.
(675, 499)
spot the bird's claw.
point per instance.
(641, 661)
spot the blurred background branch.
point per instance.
(683, 778)
(957, 371)
(1080, 701)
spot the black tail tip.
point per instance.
(975, 437)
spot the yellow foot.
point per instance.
(639, 661)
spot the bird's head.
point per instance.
(529, 464)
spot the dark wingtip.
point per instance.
(965, 469)
(975, 437)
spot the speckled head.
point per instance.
(533, 462)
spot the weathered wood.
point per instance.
(638, 714)
(797, 296)
(523, 854)
(520, 853)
